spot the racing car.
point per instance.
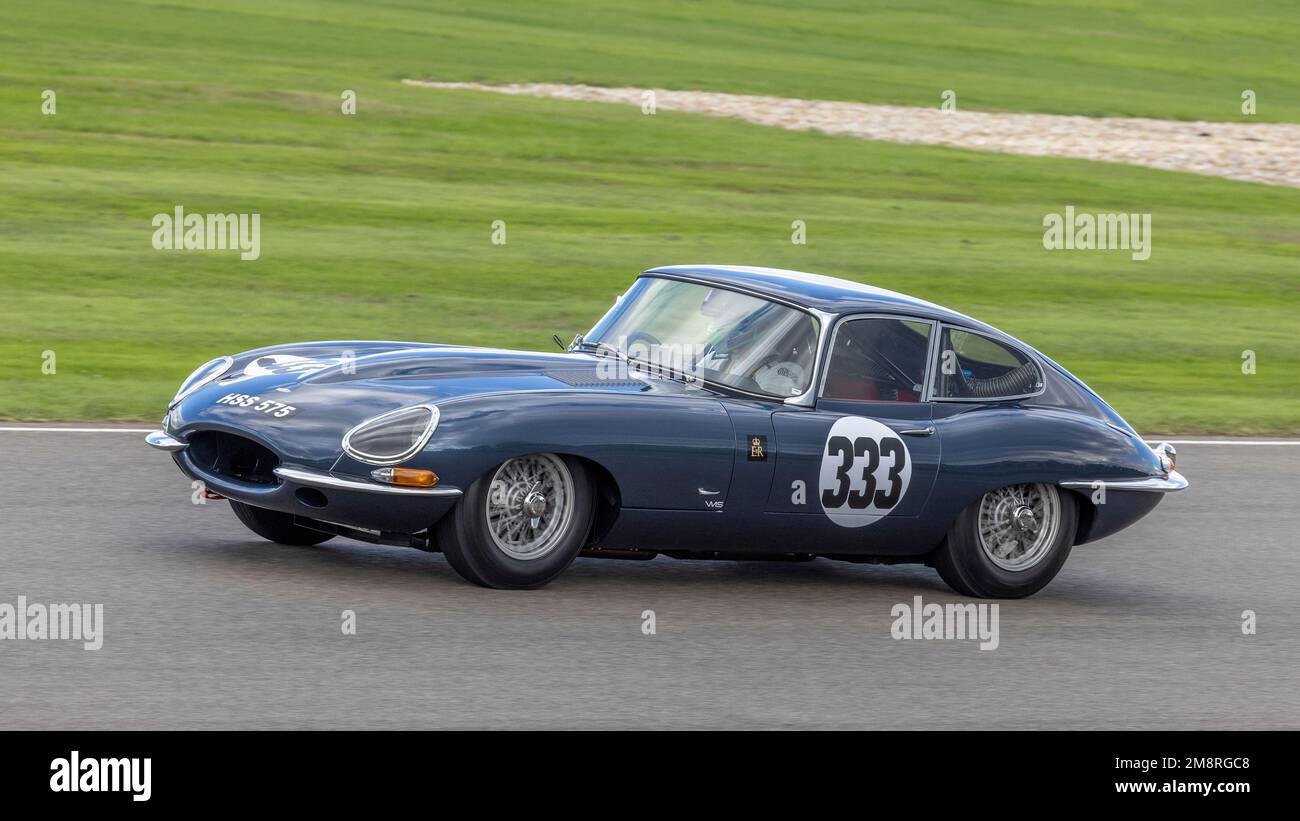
(714, 412)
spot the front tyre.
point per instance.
(521, 524)
(1010, 543)
(277, 527)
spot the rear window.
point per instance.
(974, 366)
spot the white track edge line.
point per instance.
(77, 430)
(1224, 442)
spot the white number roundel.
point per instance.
(865, 471)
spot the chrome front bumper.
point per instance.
(164, 441)
(329, 480)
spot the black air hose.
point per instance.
(1014, 382)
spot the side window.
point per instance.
(878, 360)
(972, 366)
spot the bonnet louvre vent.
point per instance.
(591, 379)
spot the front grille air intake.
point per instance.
(233, 457)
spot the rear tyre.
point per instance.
(1010, 543)
(275, 526)
(521, 524)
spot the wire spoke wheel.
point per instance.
(1018, 525)
(530, 504)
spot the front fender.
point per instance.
(660, 449)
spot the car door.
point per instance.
(868, 450)
(675, 453)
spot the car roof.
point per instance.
(828, 294)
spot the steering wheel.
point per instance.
(776, 375)
(762, 363)
(641, 336)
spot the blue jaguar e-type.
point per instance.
(715, 412)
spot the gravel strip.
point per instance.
(1255, 152)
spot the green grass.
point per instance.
(378, 225)
(1182, 59)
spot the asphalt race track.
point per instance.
(206, 626)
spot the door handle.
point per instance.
(927, 431)
(704, 491)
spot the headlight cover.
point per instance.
(202, 375)
(391, 437)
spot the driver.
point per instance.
(783, 372)
(746, 338)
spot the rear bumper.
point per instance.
(1122, 502)
(313, 494)
(1152, 484)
